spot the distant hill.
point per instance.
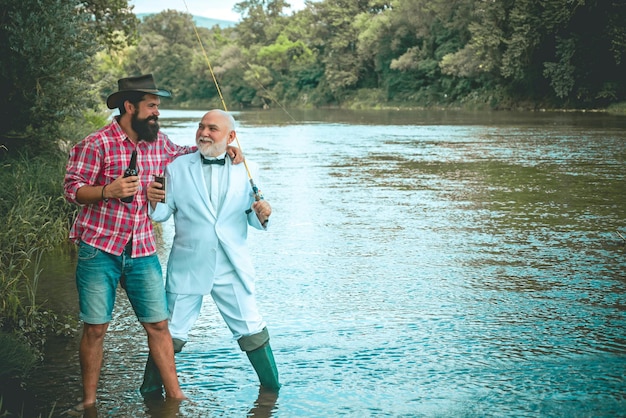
(200, 21)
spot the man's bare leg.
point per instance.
(162, 350)
(90, 354)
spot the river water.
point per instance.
(419, 264)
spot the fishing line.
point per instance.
(272, 98)
(219, 90)
(257, 193)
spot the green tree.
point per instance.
(165, 49)
(284, 53)
(228, 62)
(407, 41)
(593, 43)
(562, 52)
(46, 51)
(112, 21)
(176, 27)
(261, 21)
(334, 35)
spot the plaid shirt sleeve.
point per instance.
(82, 168)
(98, 160)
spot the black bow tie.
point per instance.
(220, 161)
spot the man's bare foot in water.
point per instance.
(82, 410)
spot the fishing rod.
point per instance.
(257, 193)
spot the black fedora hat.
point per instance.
(143, 83)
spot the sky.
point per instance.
(215, 9)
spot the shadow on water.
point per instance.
(443, 264)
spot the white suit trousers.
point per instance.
(237, 306)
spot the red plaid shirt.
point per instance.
(98, 160)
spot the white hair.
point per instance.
(229, 118)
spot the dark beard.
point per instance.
(145, 130)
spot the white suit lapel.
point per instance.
(197, 177)
(234, 182)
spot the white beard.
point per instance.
(208, 148)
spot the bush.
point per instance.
(16, 356)
(618, 108)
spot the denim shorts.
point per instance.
(98, 274)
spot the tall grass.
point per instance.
(36, 219)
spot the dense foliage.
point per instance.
(509, 53)
(47, 50)
(61, 57)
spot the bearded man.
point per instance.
(115, 239)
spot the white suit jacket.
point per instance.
(198, 228)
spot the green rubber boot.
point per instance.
(259, 352)
(152, 384)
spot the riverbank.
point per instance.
(474, 105)
(36, 219)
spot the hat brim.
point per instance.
(113, 101)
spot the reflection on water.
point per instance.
(418, 264)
